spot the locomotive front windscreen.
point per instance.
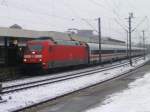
(35, 47)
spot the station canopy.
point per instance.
(18, 32)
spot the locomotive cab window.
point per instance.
(35, 47)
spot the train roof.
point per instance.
(58, 42)
(94, 46)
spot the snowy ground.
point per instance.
(31, 96)
(38, 78)
(135, 99)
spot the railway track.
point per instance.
(102, 82)
(21, 89)
(54, 79)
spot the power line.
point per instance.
(98, 4)
(139, 23)
(100, 40)
(27, 9)
(130, 32)
(113, 9)
(109, 8)
(22, 7)
(78, 16)
(131, 4)
(120, 24)
(90, 25)
(148, 24)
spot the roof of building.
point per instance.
(21, 33)
(18, 32)
(16, 26)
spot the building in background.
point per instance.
(89, 36)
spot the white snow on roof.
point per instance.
(135, 99)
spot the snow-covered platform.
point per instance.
(134, 98)
(17, 100)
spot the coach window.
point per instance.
(116, 51)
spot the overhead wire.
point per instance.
(28, 9)
(148, 24)
(53, 15)
(131, 4)
(78, 16)
(120, 24)
(109, 8)
(114, 8)
(141, 22)
(90, 25)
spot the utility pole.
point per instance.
(127, 43)
(99, 35)
(144, 43)
(130, 31)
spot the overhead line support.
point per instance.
(100, 40)
(130, 31)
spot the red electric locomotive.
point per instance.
(59, 53)
(48, 53)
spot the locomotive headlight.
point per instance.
(33, 52)
(40, 59)
(25, 60)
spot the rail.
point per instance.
(101, 83)
(28, 85)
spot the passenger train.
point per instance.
(49, 54)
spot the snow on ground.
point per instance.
(31, 96)
(134, 99)
(38, 78)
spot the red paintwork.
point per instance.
(52, 52)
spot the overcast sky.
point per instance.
(59, 15)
